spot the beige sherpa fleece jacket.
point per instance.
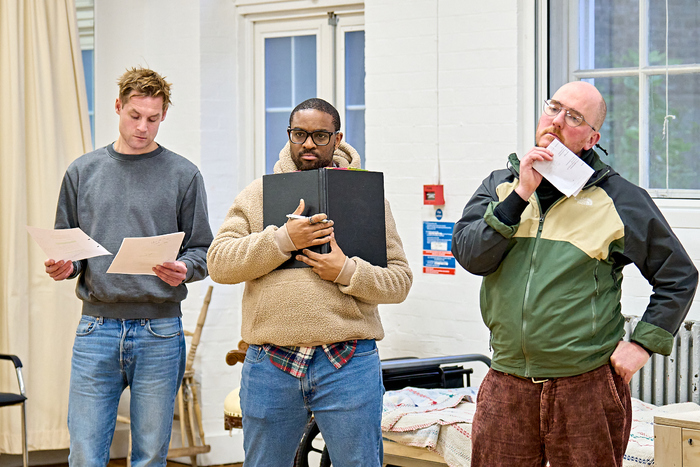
(295, 307)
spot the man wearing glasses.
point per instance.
(558, 387)
(311, 331)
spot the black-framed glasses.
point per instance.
(319, 137)
(572, 117)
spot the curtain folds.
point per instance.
(44, 125)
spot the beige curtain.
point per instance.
(44, 125)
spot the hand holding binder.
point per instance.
(352, 199)
(327, 266)
(308, 231)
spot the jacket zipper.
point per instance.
(594, 308)
(531, 271)
(532, 260)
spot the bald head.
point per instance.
(588, 99)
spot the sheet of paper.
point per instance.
(138, 255)
(66, 244)
(567, 172)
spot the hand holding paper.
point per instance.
(139, 255)
(567, 172)
(66, 244)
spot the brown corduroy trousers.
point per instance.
(578, 421)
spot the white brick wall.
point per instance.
(442, 81)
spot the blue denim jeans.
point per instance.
(346, 402)
(147, 355)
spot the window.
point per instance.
(85, 11)
(321, 55)
(644, 57)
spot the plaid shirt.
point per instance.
(295, 360)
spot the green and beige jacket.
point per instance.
(552, 283)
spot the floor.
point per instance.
(122, 463)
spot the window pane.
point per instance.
(355, 91)
(609, 34)
(355, 68)
(304, 68)
(290, 78)
(620, 131)
(89, 73)
(275, 136)
(683, 134)
(278, 68)
(355, 131)
(683, 32)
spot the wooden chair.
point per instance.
(232, 404)
(188, 408)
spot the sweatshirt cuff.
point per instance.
(284, 241)
(345, 274)
(510, 210)
(653, 338)
(190, 269)
(496, 224)
(77, 268)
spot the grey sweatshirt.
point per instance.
(111, 196)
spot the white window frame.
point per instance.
(565, 33)
(347, 23)
(260, 19)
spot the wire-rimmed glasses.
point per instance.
(572, 117)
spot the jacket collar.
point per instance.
(345, 156)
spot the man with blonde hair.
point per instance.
(130, 334)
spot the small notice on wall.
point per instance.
(437, 246)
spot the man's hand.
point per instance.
(327, 266)
(530, 178)
(173, 273)
(58, 270)
(628, 358)
(309, 232)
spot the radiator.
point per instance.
(667, 380)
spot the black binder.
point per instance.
(352, 199)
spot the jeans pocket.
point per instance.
(165, 328)
(254, 354)
(86, 325)
(365, 348)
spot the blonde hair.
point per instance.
(143, 82)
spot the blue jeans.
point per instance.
(147, 355)
(347, 405)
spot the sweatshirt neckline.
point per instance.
(133, 157)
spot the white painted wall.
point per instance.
(443, 82)
(446, 79)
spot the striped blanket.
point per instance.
(440, 420)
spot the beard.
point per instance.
(549, 133)
(319, 162)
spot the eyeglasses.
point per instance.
(319, 137)
(572, 117)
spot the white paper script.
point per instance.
(567, 172)
(138, 255)
(66, 244)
